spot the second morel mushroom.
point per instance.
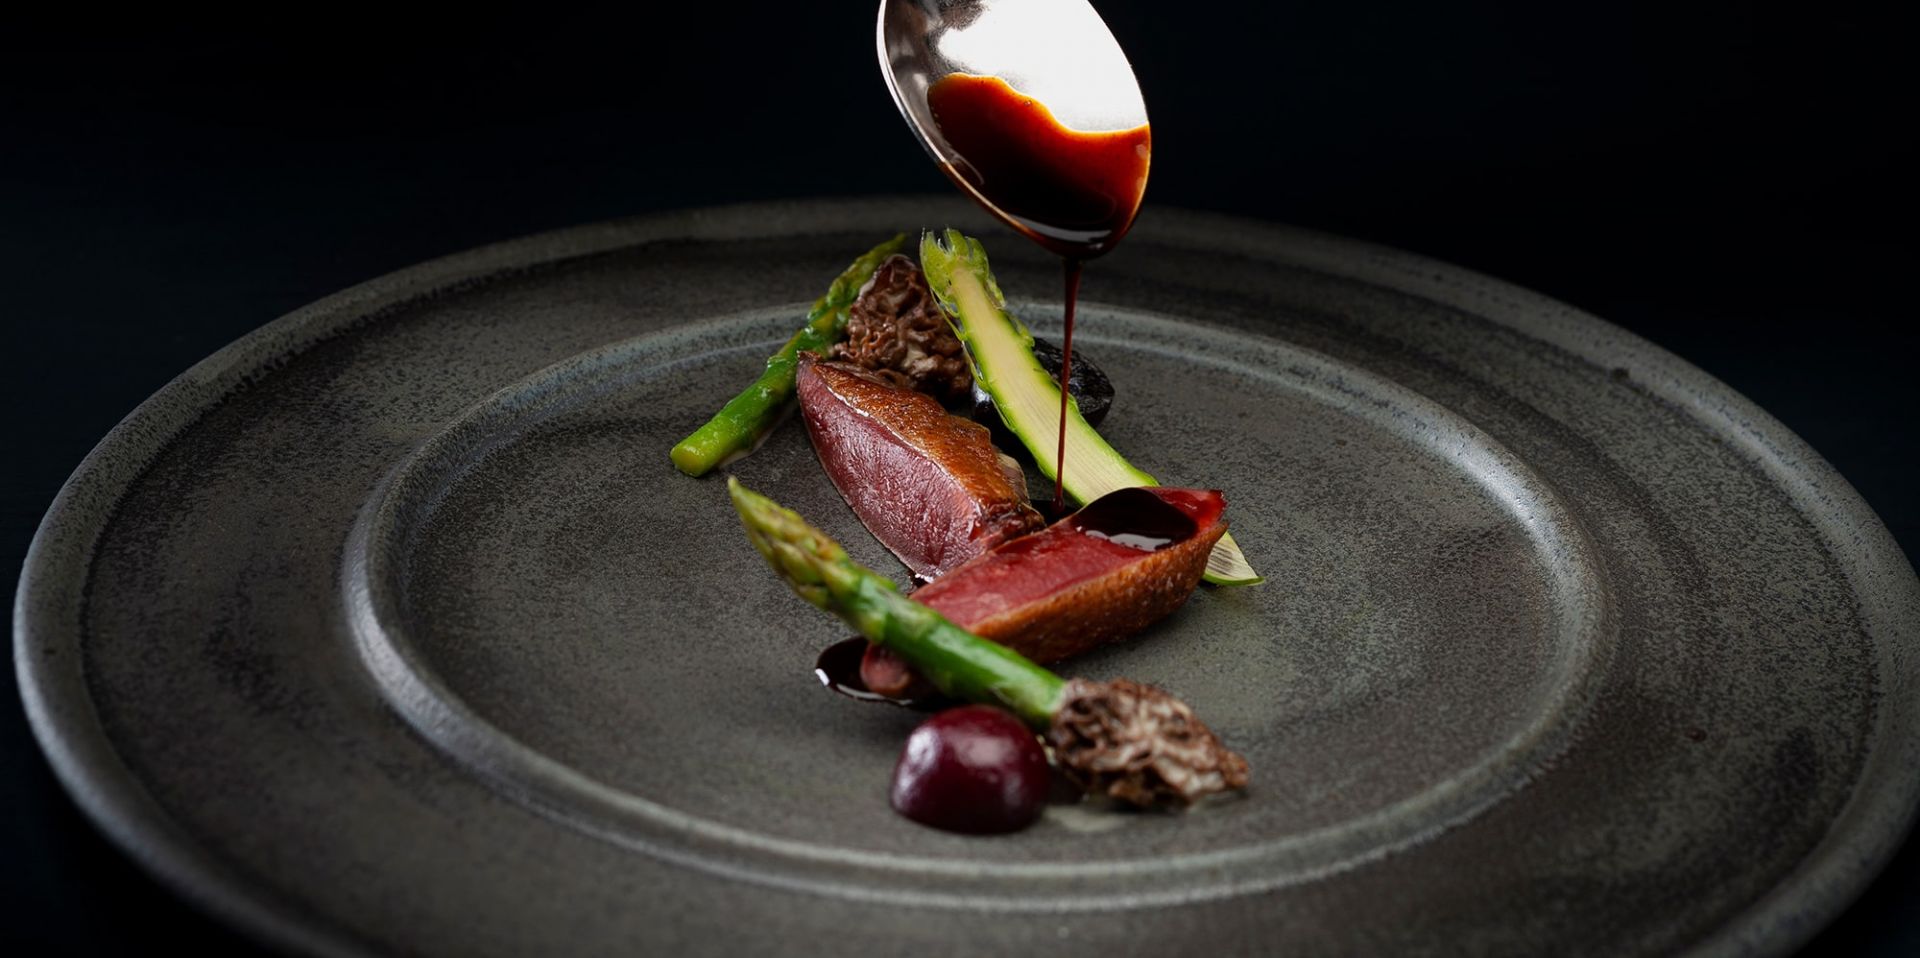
(1127, 741)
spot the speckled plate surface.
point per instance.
(391, 628)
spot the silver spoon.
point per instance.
(1057, 51)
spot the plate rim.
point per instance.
(1859, 840)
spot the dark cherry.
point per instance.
(973, 769)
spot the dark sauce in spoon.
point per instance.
(1072, 191)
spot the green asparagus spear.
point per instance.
(1128, 741)
(742, 423)
(1026, 395)
(960, 664)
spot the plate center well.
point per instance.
(544, 597)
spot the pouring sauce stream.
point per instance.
(1074, 192)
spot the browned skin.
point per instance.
(929, 485)
(1074, 620)
(1136, 744)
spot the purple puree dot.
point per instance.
(974, 769)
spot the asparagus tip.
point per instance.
(805, 559)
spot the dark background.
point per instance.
(1733, 184)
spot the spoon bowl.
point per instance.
(1059, 61)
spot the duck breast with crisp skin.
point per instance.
(928, 484)
(1125, 561)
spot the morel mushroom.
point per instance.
(895, 328)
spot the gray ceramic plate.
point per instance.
(390, 627)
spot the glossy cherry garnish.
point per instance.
(974, 769)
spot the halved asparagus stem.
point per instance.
(745, 420)
(1001, 350)
(1126, 740)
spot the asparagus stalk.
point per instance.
(1122, 739)
(744, 421)
(958, 663)
(1027, 396)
